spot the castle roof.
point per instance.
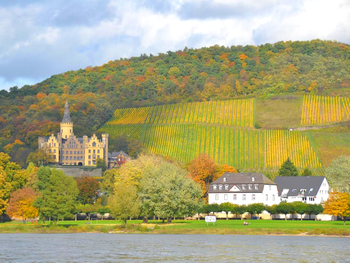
(66, 115)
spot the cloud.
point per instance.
(42, 38)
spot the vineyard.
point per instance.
(222, 129)
(324, 109)
(227, 113)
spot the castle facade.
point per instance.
(67, 149)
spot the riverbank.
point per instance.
(221, 227)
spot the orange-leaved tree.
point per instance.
(203, 170)
(21, 204)
(338, 204)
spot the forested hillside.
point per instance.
(190, 75)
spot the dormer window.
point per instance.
(214, 187)
(224, 179)
(250, 186)
(226, 186)
(220, 186)
(256, 186)
(311, 189)
(244, 186)
(253, 179)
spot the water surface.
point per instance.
(84, 247)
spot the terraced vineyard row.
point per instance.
(227, 113)
(324, 109)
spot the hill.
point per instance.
(191, 75)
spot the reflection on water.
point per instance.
(170, 248)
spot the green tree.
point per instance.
(238, 210)
(166, 191)
(301, 209)
(338, 174)
(100, 163)
(108, 181)
(315, 209)
(288, 169)
(306, 172)
(124, 202)
(284, 208)
(58, 194)
(255, 209)
(226, 207)
(271, 209)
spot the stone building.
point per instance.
(67, 149)
(116, 159)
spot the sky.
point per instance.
(41, 38)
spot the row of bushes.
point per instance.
(257, 208)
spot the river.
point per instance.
(87, 247)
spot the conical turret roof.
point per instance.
(66, 115)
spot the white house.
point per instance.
(307, 189)
(243, 189)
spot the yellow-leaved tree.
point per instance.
(21, 204)
(338, 204)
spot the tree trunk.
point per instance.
(75, 217)
(169, 220)
(125, 221)
(24, 221)
(344, 220)
(285, 216)
(163, 220)
(145, 220)
(301, 217)
(198, 217)
(226, 216)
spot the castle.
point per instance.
(67, 149)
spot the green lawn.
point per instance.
(256, 227)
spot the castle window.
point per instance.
(66, 157)
(49, 144)
(75, 152)
(89, 151)
(98, 157)
(70, 158)
(89, 156)
(54, 144)
(70, 152)
(75, 158)
(98, 151)
(94, 144)
(54, 150)
(89, 162)
(93, 151)
(93, 162)
(66, 152)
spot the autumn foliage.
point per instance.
(88, 187)
(21, 204)
(338, 204)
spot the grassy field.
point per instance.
(256, 227)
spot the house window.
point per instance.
(214, 187)
(243, 186)
(256, 186)
(224, 179)
(216, 197)
(253, 197)
(220, 186)
(235, 197)
(311, 199)
(226, 187)
(244, 197)
(270, 187)
(266, 197)
(225, 197)
(250, 186)
(273, 197)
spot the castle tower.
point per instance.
(66, 124)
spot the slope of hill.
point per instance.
(190, 75)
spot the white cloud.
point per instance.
(45, 37)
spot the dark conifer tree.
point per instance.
(288, 169)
